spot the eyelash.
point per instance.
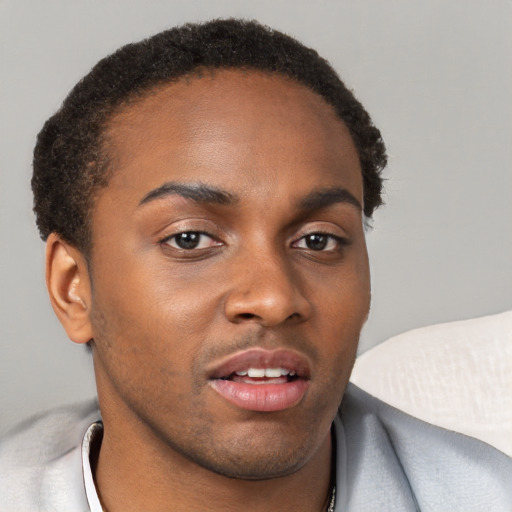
(192, 234)
(338, 240)
(198, 235)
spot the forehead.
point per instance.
(226, 123)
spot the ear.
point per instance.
(68, 283)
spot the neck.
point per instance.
(133, 475)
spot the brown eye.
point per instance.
(316, 241)
(189, 240)
(320, 242)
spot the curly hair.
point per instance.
(71, 161)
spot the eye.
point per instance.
(320, 242)
(189, 240)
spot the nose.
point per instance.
(266, 291)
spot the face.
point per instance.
(229, 272)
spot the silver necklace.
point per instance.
(330, 508)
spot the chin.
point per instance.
(257, 452)
(255, 466)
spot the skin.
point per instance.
(161, 316)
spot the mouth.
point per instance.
(261, 380)
(263, 376)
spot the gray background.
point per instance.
(436, 77)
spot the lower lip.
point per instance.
(261, 397)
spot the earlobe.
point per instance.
(67, 280)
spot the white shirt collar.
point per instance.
(92, 436)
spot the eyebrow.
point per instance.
(202, 193)
(325, 197)
(198, 192)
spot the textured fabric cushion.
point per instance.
(457, 375)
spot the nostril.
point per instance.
(246, 316)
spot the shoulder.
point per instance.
(40, 460)
(440, 469)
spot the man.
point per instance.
(203, 195)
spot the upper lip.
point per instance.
(261, 358)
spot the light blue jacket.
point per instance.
(386, 461)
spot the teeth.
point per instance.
(273, 372)
(256, 372)
(264, 372)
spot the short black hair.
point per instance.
(71, 161)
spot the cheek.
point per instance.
(342, 306)
(150, 321)
(343, 296)
(144, 358)
(139, 291)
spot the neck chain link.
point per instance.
(330, 508)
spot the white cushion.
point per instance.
(457, 375)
